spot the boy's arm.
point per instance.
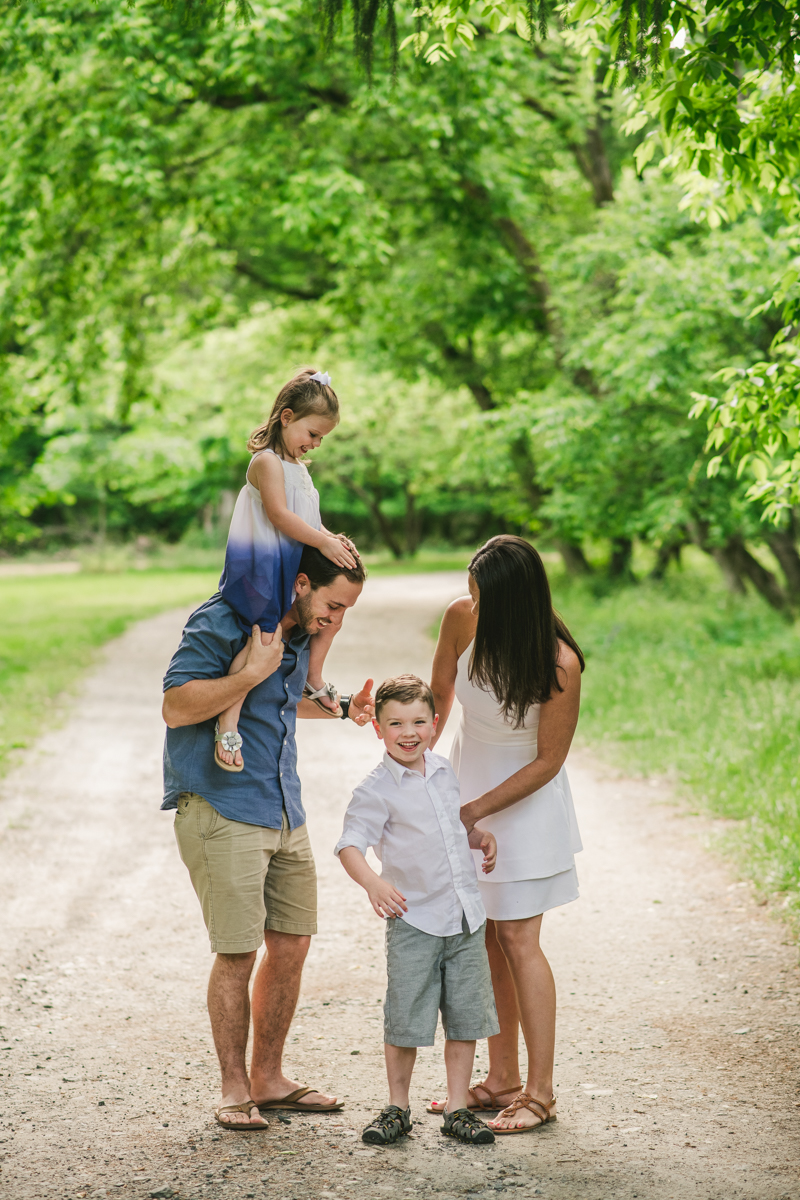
(481, 839)
(385, 899)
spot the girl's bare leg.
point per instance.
(229, 720)
(320, 645)
(536, 1002)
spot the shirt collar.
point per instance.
(397, 770)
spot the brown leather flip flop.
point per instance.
(479, 1105)
(246, 1106)
(292, 1102)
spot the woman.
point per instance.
(516, 670)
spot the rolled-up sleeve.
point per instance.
(209, 644)
(364, 821)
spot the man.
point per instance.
(243, 836)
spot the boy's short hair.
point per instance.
(405, 689)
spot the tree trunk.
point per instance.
(382, 522)
(765, 583)
(721, 555)
(664, 556)
(621, 554)
(412, 523)
(782, 544)
(575, 561)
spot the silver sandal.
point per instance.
(328, 690)
(230, 742)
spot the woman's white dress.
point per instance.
(537, 838)
(261, 562)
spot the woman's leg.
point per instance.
(229, 720)
(318, 652)
(535, 991)
(503, 1078)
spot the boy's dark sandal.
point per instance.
(466, 1127)
(390, 1124)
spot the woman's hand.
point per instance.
(336, 550)
(469, 817)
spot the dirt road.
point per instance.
(677, 1048)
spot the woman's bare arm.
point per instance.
(456, 632)
(557, 721)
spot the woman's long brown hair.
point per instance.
(516, 642)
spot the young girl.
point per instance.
(276, 514)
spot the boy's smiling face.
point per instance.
(407, 730)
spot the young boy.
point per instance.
(408, 810)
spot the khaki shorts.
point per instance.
(247, 878)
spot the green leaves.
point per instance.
(756, 424)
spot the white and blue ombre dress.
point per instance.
(261, 562)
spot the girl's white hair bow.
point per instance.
(322, 377)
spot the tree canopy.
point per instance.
(516, 303)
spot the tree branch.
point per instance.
(242, 268)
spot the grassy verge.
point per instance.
(686, 680)
(51, 628)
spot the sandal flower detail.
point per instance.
(231, 742)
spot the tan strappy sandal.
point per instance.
(478, 1104)
(543, 1111)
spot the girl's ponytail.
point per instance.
(303, 395)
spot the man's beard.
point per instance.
(305, 617)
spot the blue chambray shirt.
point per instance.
(269, 782)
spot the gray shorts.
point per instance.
(429, 975)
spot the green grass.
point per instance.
(685, 680)
(52, 626)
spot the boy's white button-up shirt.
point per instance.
(413, 824)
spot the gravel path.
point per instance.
(677, 1049)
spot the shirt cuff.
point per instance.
(349, 840)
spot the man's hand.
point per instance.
(385, 899)
(264, 654)
(481, 839)
(362, 705)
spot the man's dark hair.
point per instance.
(322, 572)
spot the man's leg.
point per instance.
(275, 993)
(229, 1010)
(227, 861)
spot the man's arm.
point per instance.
(200, 699)
(362, 708)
